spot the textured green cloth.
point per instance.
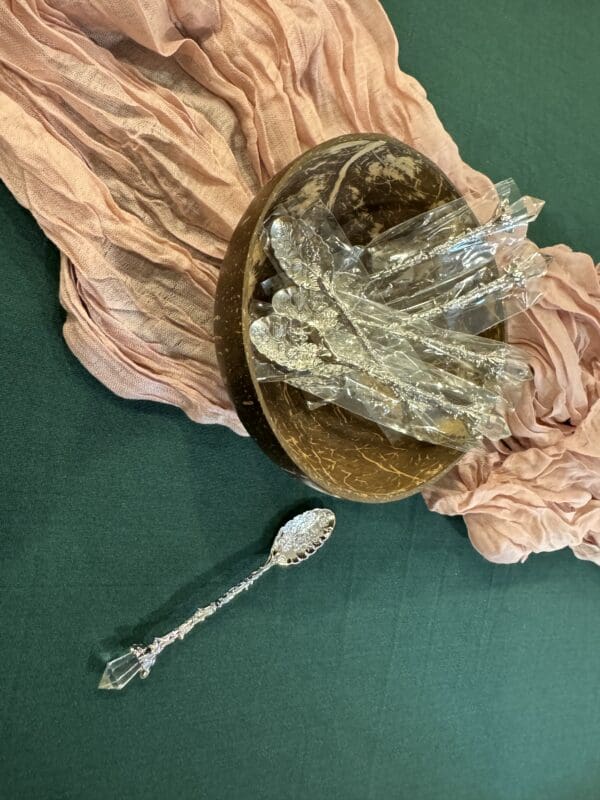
(397, 663)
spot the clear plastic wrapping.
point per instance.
(422, 257)
(495, 293)
(389, 388)
(485, 362)
(500, 215)
(386, 331)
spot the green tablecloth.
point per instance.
(397, 664)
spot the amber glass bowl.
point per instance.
(370, 182)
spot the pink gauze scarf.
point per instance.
(137, 133)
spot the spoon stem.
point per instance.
(141, 658)
(201, 614)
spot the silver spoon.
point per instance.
(296, 541)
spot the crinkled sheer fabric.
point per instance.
(137, 133)
(540, 490)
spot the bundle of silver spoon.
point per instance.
(390, 331)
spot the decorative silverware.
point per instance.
(421, 374)
(392, 389)
(296, 541)
(511, 291)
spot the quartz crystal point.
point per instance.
(120, 671)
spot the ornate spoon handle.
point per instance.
(148, 655)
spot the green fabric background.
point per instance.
(398, 663)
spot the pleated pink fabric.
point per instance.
(138, 132)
